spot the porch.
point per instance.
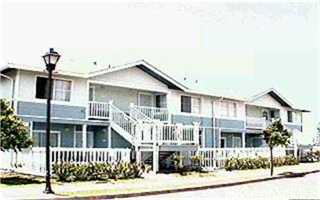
(260, 117)
(139, 104)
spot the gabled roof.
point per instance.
(147, 68)
(278, 97)
(40, 69)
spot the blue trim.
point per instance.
(188, 120)
(293, 126)
(61, 111)
(64, 121)
(228, 123)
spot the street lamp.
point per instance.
(51, 58)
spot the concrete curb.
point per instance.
(292, 175)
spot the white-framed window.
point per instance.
(77, 137)
(90, 139)
(39, 138)
(195, 105)
(298, 117)
(92, 93)
(223, 142)
(190, 104)
(290, 116)
(145, 99)
(228, 109)
(236, 142)
(61, 89)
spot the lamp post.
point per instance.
(51, 58)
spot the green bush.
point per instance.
(257, 163)
(68, 172)
(311, 156)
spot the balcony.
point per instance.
(98, 110)
(153, 113)
(256, 122)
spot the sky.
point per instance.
(240, 46)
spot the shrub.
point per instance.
(68, 172)
(196, 163)
(311, 156)
(177, 161)
(257, 163)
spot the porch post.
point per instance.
(196, 131)
(84, 136)
(243, 139)
(31, 129)
(109, 136)
(155, 160)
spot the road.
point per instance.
(307, 187)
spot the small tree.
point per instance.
(13, 134)
(276, 135)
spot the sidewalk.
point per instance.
(151, 183)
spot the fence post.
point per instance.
(179, 133)
(196, 130)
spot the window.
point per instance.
(223, 142)
(272, 114)
(190, 104)
(161, 101)
(228, 109)
(233, 109)
(290, 117)
(146, 99)
(265, 115)
(90, 139)
(92, 93)
(41, 86)
(224, 109)
(236, 142)
(186, 104)
(195, 105)
(61, 89)
(298, 117)
(39, 138)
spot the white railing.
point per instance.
(178, 134)
(138, 115)
(32, 161)
(155, 113)
(87, 155)
(255, 122)
(215, 158)
(120, 118)
(99, 110)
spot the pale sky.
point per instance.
(242, 47)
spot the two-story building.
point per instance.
(138, 106)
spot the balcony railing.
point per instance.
(168, 134)
(255, 122)
(155, 113)
(98, 110)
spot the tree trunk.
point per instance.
(271, 161)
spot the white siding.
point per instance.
(241, 110)
(121, 97)
(27, 88)
(5, 87)
(132, 78)
(266, 101)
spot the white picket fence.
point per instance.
(215, 158)
(32, 161)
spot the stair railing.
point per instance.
(122, 119)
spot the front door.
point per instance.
(145, 99)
